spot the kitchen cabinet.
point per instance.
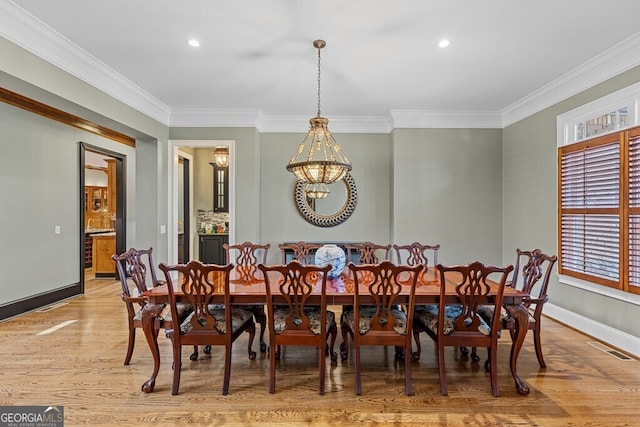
(211, 249)
(104, 245)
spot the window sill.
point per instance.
(599, 289)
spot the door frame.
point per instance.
(120, 226)
(172, 191)
(187, 164)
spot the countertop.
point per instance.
(92, 231)
(113, 233)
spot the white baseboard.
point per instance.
(600, 331)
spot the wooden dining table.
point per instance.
(247, 287)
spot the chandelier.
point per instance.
(319, 160)
(221, 156)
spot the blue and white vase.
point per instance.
(334, 255)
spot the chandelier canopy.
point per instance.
(319, 159)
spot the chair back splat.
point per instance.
(367, 253)
(302, 252)
(416, 253)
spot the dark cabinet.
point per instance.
(211, 249)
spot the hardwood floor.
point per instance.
(79, 366)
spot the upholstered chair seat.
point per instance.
(238, 318)
(183, 311)
(428, 316)
(367, 314)
(281, 314)
(486, 312)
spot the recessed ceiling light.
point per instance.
(194, 43)
(443, 43)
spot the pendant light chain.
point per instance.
(319, 81)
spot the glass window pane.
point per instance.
(602, 124)
(623, 118)
(580, 131)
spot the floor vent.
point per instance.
(615, 353)
(51, 307)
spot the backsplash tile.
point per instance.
(210, 217)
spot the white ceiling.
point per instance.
(256, 57)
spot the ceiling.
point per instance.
(382, 57)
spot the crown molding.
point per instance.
(21, 28)
(446, 119)
(213, 117)
(28, 32)
(337, 124)
(618, 59)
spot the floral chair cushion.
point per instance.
(183, 310)
(486, 312)
(280, 315)
(367, 313)
(428, 316)
(238, 318)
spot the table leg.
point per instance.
(150, 326)
(521, 319)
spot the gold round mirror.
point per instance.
(332, 210)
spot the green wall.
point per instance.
(447, 190)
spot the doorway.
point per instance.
(102, 208)
(200, 181)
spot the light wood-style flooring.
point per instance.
(80, 366)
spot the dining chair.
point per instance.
(293, 320)
(367, 253)
(361, 253)
(208, 323)
(301, 251)
(413, 254)
(304, 253)
(460, 324)
(136, 272)
(375, 319)
(536, 266)
(246, 257)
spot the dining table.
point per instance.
(247, 287)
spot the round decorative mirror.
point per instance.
(332, 210)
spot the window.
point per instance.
(220, 188)
(599, 195)
(599, 199)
